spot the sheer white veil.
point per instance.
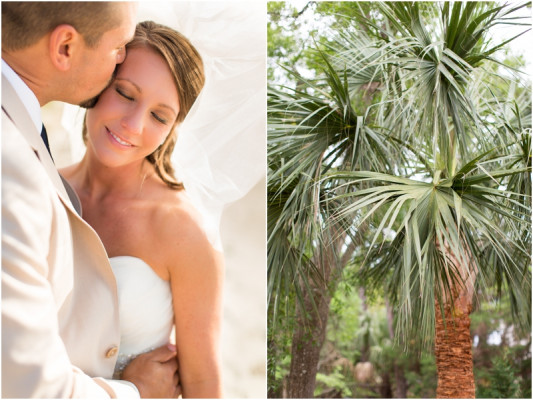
(220, 154)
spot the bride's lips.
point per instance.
(117, 139)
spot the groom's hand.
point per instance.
(155, 374)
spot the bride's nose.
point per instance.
(133, 122)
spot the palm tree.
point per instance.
(430, 180)
(305, 256)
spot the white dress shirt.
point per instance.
(25, 93)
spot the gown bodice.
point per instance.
(145, 308)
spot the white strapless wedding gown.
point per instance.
(145, 307)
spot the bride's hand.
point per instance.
(155, 374)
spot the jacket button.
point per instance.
(111, 352)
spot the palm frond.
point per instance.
(470, 212)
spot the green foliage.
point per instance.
(279, 337)
(344, 320)
(334, 381)
(500, 382)
(290, 36)
(280, 43)
(422, 379)
(342, 10)
(494, 320)
(355, 335)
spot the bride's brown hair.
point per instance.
(187, 70)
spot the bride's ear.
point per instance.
(63, 42)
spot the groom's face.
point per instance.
(96, 65)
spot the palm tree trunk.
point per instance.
(453, 349)
(310, 329)
(307, 341)
(453, 341)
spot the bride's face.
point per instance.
(135, 113)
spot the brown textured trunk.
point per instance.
(453, 341)
(310, 330)
(453, 353)
(307, 341)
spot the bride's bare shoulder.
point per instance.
(179, 220)
(180, 237)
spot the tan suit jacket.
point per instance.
(60, 323)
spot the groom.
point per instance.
(60, 322)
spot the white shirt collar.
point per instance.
(26, 95)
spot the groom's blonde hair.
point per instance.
(24, 23)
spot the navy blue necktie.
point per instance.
(44, 136)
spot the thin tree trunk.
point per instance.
(385, 389)
(400, 383)
(365, 351)
(362, 297)
(400, 387)
(310, 329)
(307, 341)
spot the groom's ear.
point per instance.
(62, 43)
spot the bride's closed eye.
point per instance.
(123, 94)
(159, 119)
(156, 116)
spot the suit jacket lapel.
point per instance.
(16, 111)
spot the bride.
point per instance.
(168, 272)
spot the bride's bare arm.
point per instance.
(196, 277)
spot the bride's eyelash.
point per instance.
(120, 92)
(158, 118)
